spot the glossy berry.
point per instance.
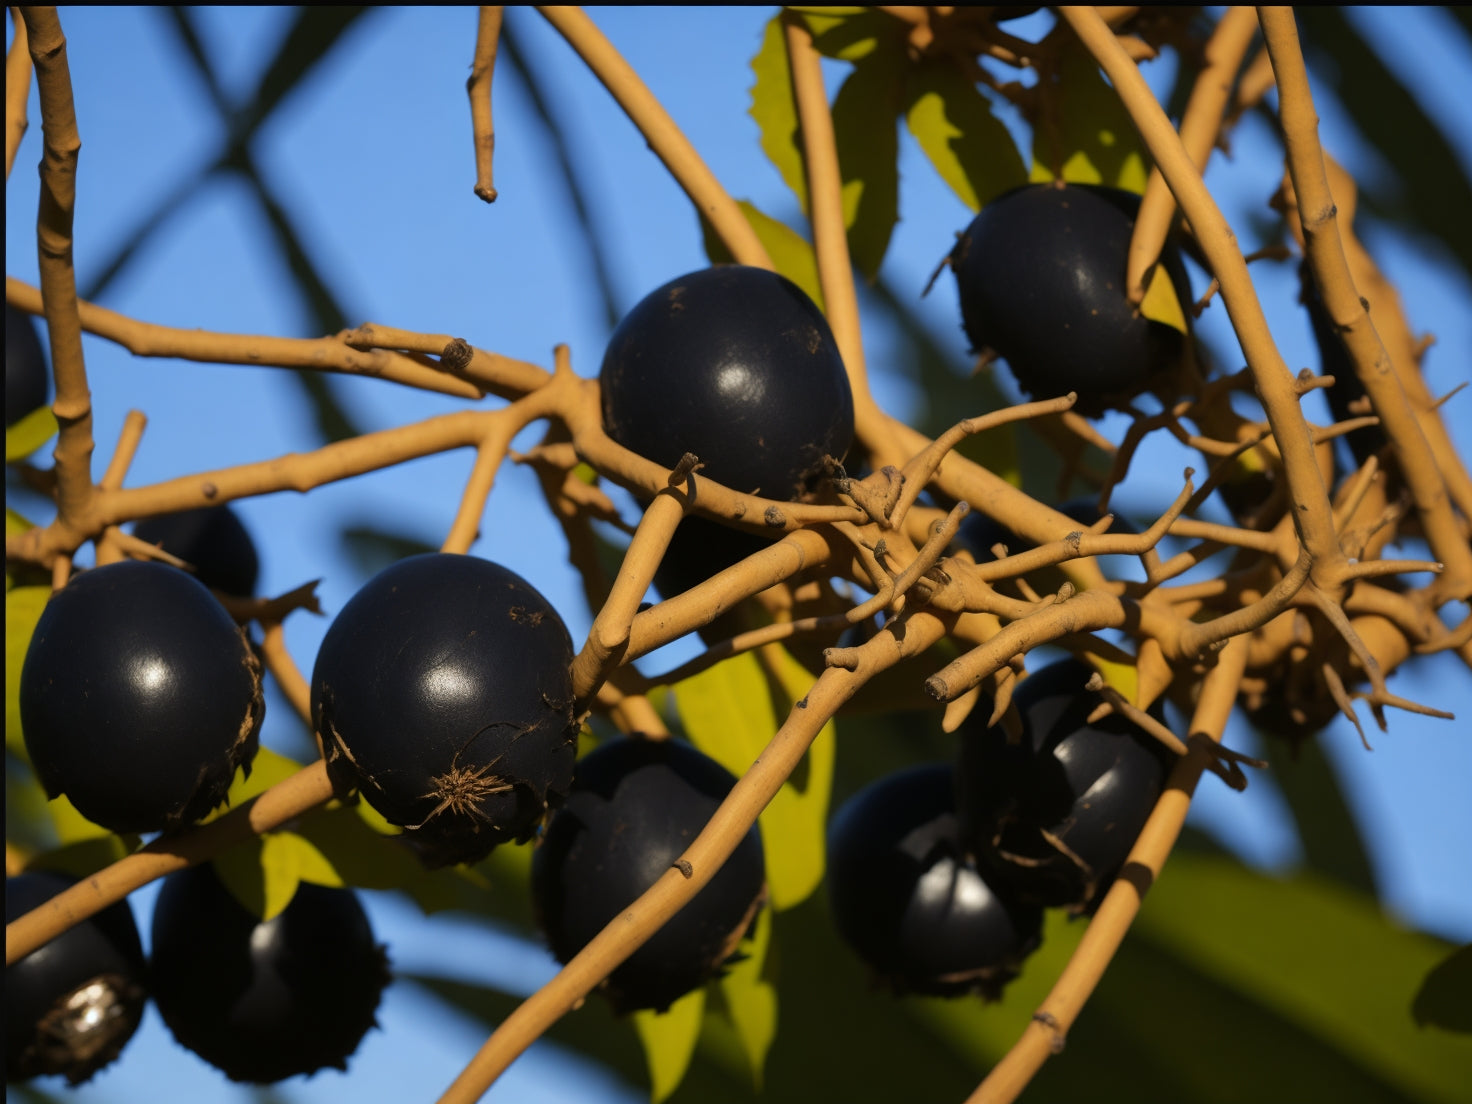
(1057, 812)
(442, 692)
(906, 899)
(211, 540)
(263, 1001)
(1041, 274)
(27, 381)
(738, 366)
(635, 806)
(72, 1004)
(139, 697)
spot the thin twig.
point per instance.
(478, 87)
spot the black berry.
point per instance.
(635, 806)
(72, 1004)
(263, 1001)
(442, 692)
(213, 541)
(27, 382)
(1041, 274)
(139, 697)
(1057, 812)
(907, 900)
(738, 366)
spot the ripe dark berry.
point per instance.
(264, 1001)
(27, 382)
(1041, 272)
(906, 899)
(72, 1004)
(213, 541)
(738, 366)
(139, 697)
(635, 806)
(443, 693)
(1057, 812)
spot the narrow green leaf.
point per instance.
(954, 125)
(749, 1000)
(790, 252)
(774, 109)
(288, 859)
(1084, 134)
(669, 1040)
(29, 434)
(865, 128)
(23, 606)
(1445, 997)
(1325, 958)
(730, 712)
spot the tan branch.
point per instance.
(17, 89)
(488, 35)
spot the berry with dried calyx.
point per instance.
(139, 697)
(907, 900)
(72, 1004)
(635, 806)
(443, 693)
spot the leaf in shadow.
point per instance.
(512, 54)
(1432, 192)
(1445, 997)
(1332, 843)
(371, 550)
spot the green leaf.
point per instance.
(954, 125)
(791, 254)
(1161, 303)
(1430, 189)
(263, 873)
(749, 1000)
(23, 606)
(1445, 997)
(851, 34)
(1333, 843)
(774, 109)
(1319, 956)
(1084, 135)
(669, 1040)
(865, 114)
(29, 434)
(731, 711)
(239, 869)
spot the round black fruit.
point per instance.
(635, 806)
(139, 697)
(443, 693)
(907, 900)
(738, 366)
(263, 1001)
(211, 540)
(27, 382)
(72, 1004)
(1057, 812)
(1041, 273)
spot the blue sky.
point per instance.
(372, 157)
